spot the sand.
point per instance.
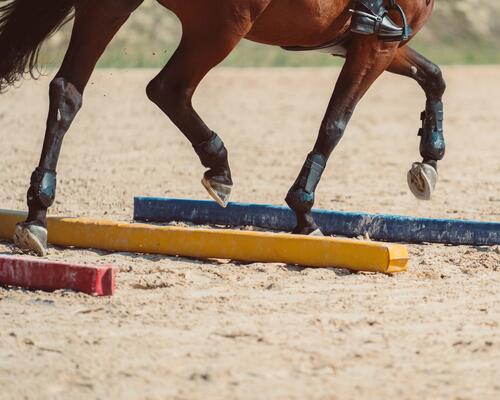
(187, 329)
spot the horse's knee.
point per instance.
(436, 85)
(153, 91)
(171, 98)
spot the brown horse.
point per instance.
(211, 30)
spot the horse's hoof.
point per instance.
(31, 238)
(218, 191)
(422, 179)
(317, 233)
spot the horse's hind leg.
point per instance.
(202, 47)
(367, 59)
(422, 177)
(92, 32)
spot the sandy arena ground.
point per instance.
(187, 329)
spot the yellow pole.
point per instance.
(244, 246)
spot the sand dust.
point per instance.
(186, 329)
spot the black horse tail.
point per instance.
(24, 26)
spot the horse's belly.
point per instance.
(300, 22)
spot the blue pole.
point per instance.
(391, 228)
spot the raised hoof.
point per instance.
(422, 179)
(31, 238)
(218, 191)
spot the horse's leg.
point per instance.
(202, 47)
(92, 32)
(367, 59)
(422, 177)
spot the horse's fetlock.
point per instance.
(311, 172)
(433, 148)
(299, 200)
(42, 187)
(432, 144)
(212, 153)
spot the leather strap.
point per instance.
(393, 5)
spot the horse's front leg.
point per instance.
(172, 91)
(367, 59)
(92, 32)
(422, 177)
(204, 44)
